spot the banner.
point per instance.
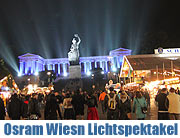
(99, 129)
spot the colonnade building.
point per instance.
(31, 64)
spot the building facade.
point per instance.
(31, 64)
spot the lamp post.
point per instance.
(172, 70)
(157, 72)
(48, 73)
(164, 71)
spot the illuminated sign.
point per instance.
(138, 80)
(167, 51)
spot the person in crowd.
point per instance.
(63, 96)
(178, 91)
(85, 93)
(91, 102)
(72, 93)
(147, 97)
(138, 103)
(125, 107)
(161, 98)
(132, 94)
(14, 107)
(129, 93)
(41, 101)
(111, 103)
(59, 99)
(33, 108)
(78, 102)
(68, 107)
(101, 100)
(98, 92)
(52, 108)
(25, 107)
(173, 105)
(2, 110)
(159, 91)
(119, 94)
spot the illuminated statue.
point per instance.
(73, 54)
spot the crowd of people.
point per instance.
(168, 104)
(71, 105)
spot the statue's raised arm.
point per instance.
(79, 40)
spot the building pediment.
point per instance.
(118, 51)
(29, 55)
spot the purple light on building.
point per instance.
(30, 64)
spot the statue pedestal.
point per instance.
(74, 72)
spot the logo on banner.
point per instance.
(160, 50)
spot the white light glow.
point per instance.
(88, 73)
(36, 73)
(6, 88)
(114, 69)
(65, 74)
(48, 73)
(35, 86)
(19, 74)
(30, 87)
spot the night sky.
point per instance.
(46, 27)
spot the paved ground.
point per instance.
(151, 115)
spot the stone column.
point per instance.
(64, 68)
(31, 67)
(21, 68)
(43, 67)
(100, 64)
(95, 64)
(112, 63)
(106, 62)
(90, 66)
(26, 67)
(48, 66)
(35, 66)
(53, 67)
(59, 68)
(118, 62)
(85, 67)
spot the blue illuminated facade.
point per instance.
(31, 64)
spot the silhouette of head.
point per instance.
(74, 41)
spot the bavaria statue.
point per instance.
(73, 54)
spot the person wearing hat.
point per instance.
(173, 105)
(111, 103)
(125, 107)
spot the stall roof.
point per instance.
(150, 61)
